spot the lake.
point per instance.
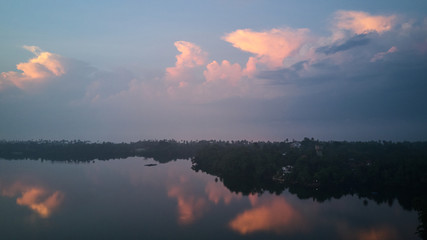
(126, 199)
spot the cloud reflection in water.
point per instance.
(39, 199)
(274, 214)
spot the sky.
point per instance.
(191, 70)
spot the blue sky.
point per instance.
(261, 70)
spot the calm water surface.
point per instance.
(124, 199)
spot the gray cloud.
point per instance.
(355, 41)
(284, 75)
(357, 99)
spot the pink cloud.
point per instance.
(186, 79)
(271, 50)
(251, 66)
(224, 71)
(270, 47)
(37, 70)
(190, 56)
(381, 55)
(224, 79)
(362, 22)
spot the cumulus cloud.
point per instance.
(355, 41)
(225, 79)
(270, 47)
(190, 56)
(362, 22)
(37, 70)
(224, 71)
(186, 80)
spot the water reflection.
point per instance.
(38, 199)
(196, 194)
(218, 193)
(190, 206)
(124, 199)
(377, 234)
(274, 214)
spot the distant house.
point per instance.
(318, 149)
(139, 150)
(287, 169)
(280, 175)
(295, 144)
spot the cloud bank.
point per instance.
(363, 81)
